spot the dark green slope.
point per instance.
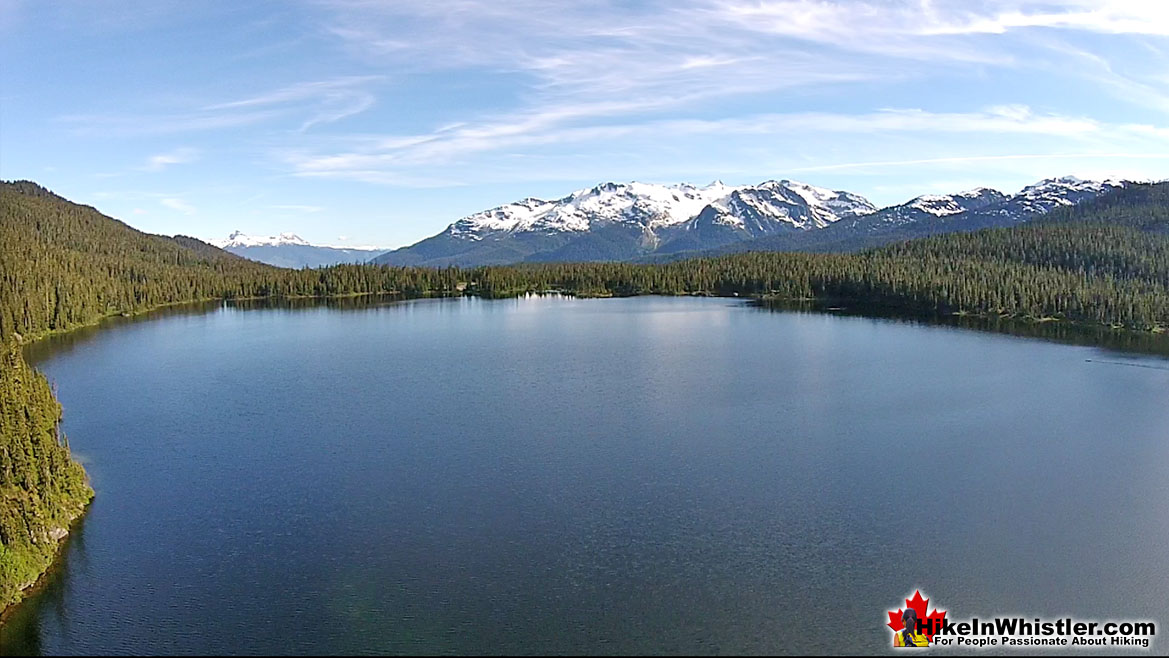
(41, 488)
(1139, 206)
(617, 241)
(63, 265)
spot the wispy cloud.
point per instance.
(306, 103)
(391, 159)
(327, 100)
(178, 156)
(180, 205)
(607, 70)
(968, 159)
(126, 125)
(417, 94)
(298, 92)
(594, 50)
(716, 47)
(1106, 16)
(1147, 86)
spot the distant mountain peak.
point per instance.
(650, 205)
(240, 239)
(941, 205)
(291, 250)
(1072, 182)
(1051, 193)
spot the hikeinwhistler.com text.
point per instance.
(1009, 632)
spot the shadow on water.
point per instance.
(1117, 340)
(66, 342)
(24, 625)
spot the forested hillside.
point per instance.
(65, 265)
(41, 488)
(62, 265)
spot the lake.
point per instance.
(556, 475)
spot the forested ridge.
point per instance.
(64, 265)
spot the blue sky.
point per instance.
(366, 122)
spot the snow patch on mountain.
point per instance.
(240, 239)
(643, 203)
(937, 205)
(757, 209)
(1051, 193)
(775, 204)
(836, 204)
(941, 205)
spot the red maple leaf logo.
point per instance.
(919, 606)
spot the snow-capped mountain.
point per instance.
(652, 206)
(633, 221)
(1052, 193)
(784, 204)
(291, 250)
(241, 240)
(766, 209)
(926, 208)
(932, 214)
(941, 205)
(616, 221)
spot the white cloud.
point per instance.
(177, 156)
(659, 54)
(326, 100)
(122, 125)
(971, 159)
(1106, 16)
(715, 47)
(306, 103)
(593, 73)
(175, 203)
(300, 92)
(398, 159)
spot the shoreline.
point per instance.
(55, 563)
(831, 305)
(25, 341)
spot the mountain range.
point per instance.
(644, 222)
(290, 250)
(926, 215)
